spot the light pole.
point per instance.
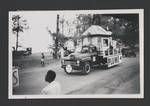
(56, 40)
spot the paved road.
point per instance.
(121, 79)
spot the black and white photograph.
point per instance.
(76, 54)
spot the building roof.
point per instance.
(96, 30)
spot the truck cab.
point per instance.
(81, 60)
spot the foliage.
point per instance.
(59, 39)
(18, 26)
(124, 26)
(84, 22)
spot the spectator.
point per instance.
(42, 59)
(61, 52)
(53, 88)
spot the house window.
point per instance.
(115, 51)
(105, 42)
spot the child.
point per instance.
(53, 88)
(42, 59)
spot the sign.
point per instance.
(94, 59)
(15, 77)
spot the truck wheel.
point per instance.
(105, 67)
(86, 68)
(68, 69)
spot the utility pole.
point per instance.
(57, 29)
(56, 38)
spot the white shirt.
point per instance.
(53, 88)
(62, 52)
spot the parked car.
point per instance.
(28, 51)
(128, 52)
(22, 52)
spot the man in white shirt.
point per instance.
(53, 88)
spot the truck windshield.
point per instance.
(78, 49)
(85, 50)
(82, 50)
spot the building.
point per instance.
(97, 36)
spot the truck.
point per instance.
(97, 49)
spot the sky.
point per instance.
(37, 35)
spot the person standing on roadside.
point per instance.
(42, 59)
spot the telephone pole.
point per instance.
(56, 40)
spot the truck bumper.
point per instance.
(74, 68)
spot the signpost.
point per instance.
(15, 77)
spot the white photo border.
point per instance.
(109, 11)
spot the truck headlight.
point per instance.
(78, 62)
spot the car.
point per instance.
(128, 52)
(28, 52)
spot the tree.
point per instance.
(62, 21)
(84, 22)
(59, 39)
(19, 25)
(123, 26)
(126, 28)
(96, 20)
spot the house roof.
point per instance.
(96, 30)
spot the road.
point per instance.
(121, 79)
